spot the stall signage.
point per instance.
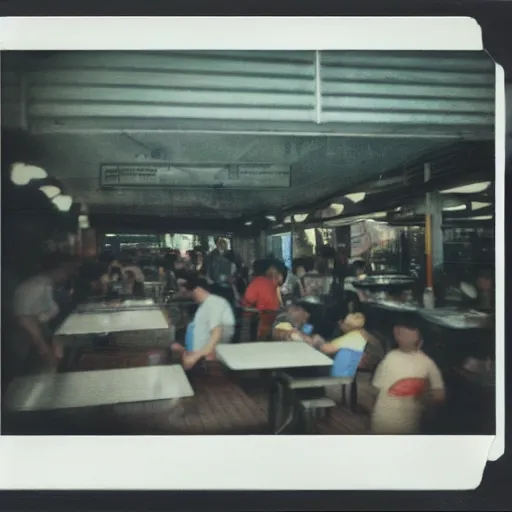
(241, 176)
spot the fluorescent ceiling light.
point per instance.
(479, 217)
(110, 235)
(248, 223)
(456, 208)
(472, 188)
(356, 197)
(63, 203)
(22, 174)
(476, 205)
(287, 220)
(50, 191)
(300, 217)
(83, 222)
(271, 218)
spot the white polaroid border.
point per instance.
(261, 462)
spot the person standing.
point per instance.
(33, 350)
(221, 270)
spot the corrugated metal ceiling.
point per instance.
(88, 109)
(449, 94)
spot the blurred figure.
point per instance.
(485, 289)
(293, 286)
(33, 349)
(264, 295)
(132, 287)
(293, 324)
(213, 322)
(220, 269)
(406, 380)
(317, 282)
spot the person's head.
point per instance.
(407, 335)
(484, 281)
(221, 244)
(60, 268)
(353, 322)
(359, 267)
(299, 313)
(180, 264)
(275, 275)
(298, 268)
(193, 286)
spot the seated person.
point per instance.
(130, 266)
(347, 350)
(213, 322)
(405, 380)
(132, 287)
(292, 324)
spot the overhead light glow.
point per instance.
(472, 188)
(337, 208)
(287, 220)
(22, 174)
(248, 223)
(110, 235)
(271, 218)
(479, 217)
(50, 191)
(300, 217)
(63, 203)
(456, 208)
(476, 205)
(83, 222)
(356, 197)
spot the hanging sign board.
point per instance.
(236, 176)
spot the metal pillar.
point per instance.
(433, 234)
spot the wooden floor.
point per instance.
(222, 407)
(226, 404)
(223, 404)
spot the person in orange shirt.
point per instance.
(263, 294)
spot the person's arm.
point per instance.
(379, 378)
(215, 337)
(31, 325)
(436, 393)
(329, 349)
(251, 295)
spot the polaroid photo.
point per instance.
(350, 158)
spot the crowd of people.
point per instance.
(224, 291)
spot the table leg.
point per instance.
(273, 403)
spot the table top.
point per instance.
(113, 321)
(94, 388)
(273, 355)
(391, 305)
(455, 318)
(103, 306)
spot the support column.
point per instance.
(433, 235)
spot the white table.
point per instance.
(113, 321)
(455, 319)
(106, 307)
(273, 355)
(103, 387)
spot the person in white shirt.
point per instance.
(213, 323)
(34, 307)
(406, 380)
